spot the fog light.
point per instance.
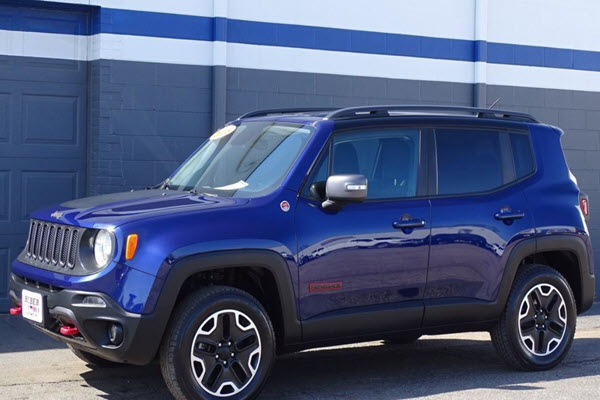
(115, 334)
(91, 301)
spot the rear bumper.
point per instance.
(64, 307)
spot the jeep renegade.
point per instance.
(292, 229)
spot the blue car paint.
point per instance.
(467, 259)
(321, 247)
(359, 247)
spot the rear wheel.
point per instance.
(220, 344)
(537, 327)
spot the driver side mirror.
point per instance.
(342, 189)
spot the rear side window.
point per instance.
(469, 161)
(521, 149)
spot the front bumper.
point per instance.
(64, 307)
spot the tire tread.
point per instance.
(500, 334)
(183, 311)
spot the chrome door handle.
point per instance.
(408, 224)
(509, 215)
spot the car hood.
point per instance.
(119, 208)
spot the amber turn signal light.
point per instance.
(131, 246)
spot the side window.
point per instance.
(389, 160)
(521, 149)
(469, 161)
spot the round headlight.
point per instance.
(103, 248)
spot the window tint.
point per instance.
(388, 159)
(521, 149)
(468, 161)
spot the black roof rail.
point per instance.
(274, 111)
(387, 111)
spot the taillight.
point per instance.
(584, 204)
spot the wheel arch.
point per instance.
(567, 254)
(187, 267)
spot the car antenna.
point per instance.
(494, 103)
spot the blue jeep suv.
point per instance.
(291, 229)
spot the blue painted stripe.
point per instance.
(514, 54)
(76, 21)
(72, 20)
(272, 34)
(142, 23)
(309, 37)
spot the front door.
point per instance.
(372, 254)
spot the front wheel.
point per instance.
(219, 344)
(537, 326)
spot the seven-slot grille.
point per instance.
(53, 244)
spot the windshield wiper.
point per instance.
(163, 185)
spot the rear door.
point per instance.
(478, 213)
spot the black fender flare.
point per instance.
(540, 244)
(190, 265)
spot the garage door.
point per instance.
(42, 129)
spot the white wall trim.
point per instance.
(195, 52)
(44, 45)
(203, 8)
(356, 64)
(108, 46)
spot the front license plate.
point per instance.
(32, 306)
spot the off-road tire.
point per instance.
(189, 316)
(507, 334)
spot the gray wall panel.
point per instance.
(248, 89)
(145, 118)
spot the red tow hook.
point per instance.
(68, 330)
(15, 311)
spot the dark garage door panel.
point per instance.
(43, 117)
(42, 152)
(43, 120)
(27, 184)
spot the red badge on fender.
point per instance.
(285, 206)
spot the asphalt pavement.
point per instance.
(459, 366)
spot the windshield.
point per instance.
(246, 160)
